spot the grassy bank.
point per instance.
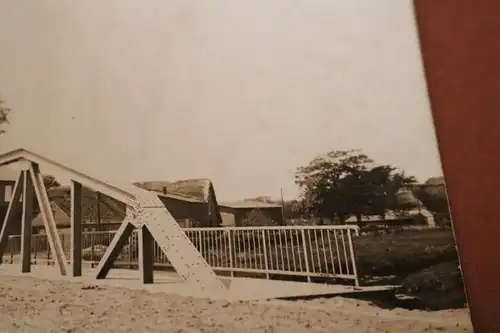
(425, 263)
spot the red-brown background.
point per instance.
(461, 52)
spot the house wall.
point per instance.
(235, 216)
(196, 211)
(6, 188)
(213, 208)
(15, 228)
(228, 217)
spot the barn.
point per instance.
(234, 213)
(191, 202)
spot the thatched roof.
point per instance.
(61, 218)
(191, 188)
(406, 198)
(247, 204)
(435, 181)
(110, 209)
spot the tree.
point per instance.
(341, 183)
(4, 113)
(264, 199)
(50, 182)
(257, 218)
(433, 196)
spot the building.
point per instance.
(191, 202)
(235, 213)
(99, 211)
(413, 217)
(8, 178)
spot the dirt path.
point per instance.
(35, 305)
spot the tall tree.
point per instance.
(341, 183)
(50, 182)
(433, 195)
(4, 114)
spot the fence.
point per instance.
(302, 251)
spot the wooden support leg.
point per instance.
(48, 219)
(113, 250)
(146, 260)
(76, 228)
(27, 218)
(11, 211)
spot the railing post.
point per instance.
(353, 257)
(306, 258)
(231, 253)
(35, 245)
(130, 252)
(48, 251)
(265, 253)
(11, 250)
(92, 249)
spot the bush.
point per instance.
(257, 219)
(437, 287)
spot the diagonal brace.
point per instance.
(114, 249)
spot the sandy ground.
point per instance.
(36, 305)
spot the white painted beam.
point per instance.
(48, 219)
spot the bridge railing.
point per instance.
(307, 251)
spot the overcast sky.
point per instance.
(241, 92)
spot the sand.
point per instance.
(36, 305)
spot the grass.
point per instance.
(403, 252)
(437, 287)
(425, 263)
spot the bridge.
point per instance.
(156, 234)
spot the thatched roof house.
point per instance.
(417, 216)
(8, 178)
(190, 188)
(110, 209)
(61, 218)
(235, 213)
(191, 200)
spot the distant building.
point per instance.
(110, 212)
(191, 202)
(8, 178)
(416, 216)
(234, 213)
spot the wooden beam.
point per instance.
(114, 249)
(146, 260)
(48, 219)
(11, 211)
(27, 218)
(76, 228)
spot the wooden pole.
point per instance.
(76, 228)
(26, 220)
(282, 208)
(146, 263)
(98, 211)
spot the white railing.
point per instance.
(307, 251)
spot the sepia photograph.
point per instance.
(221, 166)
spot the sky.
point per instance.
(241, 92)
